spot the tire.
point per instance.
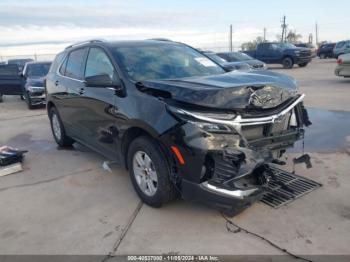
(1, 98)
(148, 167)
(28, 101)
(303, 64)
(22, 97)
(57, 129)
(287, 63)
(322, 56)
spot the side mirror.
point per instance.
(103, 81)
(229, 68)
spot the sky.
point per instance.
(46, 27)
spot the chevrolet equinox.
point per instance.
(175, 118)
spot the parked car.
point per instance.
(343, 67)
(342, 47)
(326, 50)
(281, 53)
(242, 57)
(175, 119)
(11, 83)
(228, 66)
(19, 62)
(34, 74)
(310, 46)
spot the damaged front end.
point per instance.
(228, 155)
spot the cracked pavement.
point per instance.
(65, 203)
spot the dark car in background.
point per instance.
(326, 50)
(242, 57)
(229, 66)
(342, 47)
(11, 82)
(281, 53)
(308, 45)
(19, 62)
(34, 74)
(178, 121)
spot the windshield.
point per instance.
(216, 58)
(164, 61)
(238, 56)
(37, 70)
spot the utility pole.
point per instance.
(284, 29)
(316, 28)
(264, 34)
(230, 44)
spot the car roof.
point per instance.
(123, 43)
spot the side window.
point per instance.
(98, 63)
(75, 63)
(63, 67)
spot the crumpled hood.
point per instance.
(35, 81)
(234, 90)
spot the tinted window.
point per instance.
(98, 63)
(9, 70)
(74, 64)
(340, 44)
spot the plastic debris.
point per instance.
(105, 166)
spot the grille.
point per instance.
(285, 187)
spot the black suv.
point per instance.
(175, 118)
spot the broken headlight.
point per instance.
(207, 121)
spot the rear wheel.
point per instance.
(303, 64)
(287, 63)
(149, 172)
(58, 131)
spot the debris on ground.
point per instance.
(106, 167)
(10, 160)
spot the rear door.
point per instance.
(99, 122)
(70, 83)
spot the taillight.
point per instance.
(339, 61)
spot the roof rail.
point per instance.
(85, 42)
(161, 39)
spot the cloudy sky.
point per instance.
(44, 27)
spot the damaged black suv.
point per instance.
(177, 120)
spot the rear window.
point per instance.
(9, 70)
(75, 64)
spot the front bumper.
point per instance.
(228, 171)
(302, 60)
(37, 98)
(225, 200)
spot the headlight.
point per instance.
(34, 89)
(214, 128)
(209, 122)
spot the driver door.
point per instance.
(99, 122)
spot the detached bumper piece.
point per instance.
(284, 187)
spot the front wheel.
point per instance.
(287, 63)
(28, 101)
(57, 128)
(1, 98)
(149, 172)
(322, 56)
(303, 65)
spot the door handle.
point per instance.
(56, 83)
(81, 91)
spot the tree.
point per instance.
(293, 37)
(251, 45)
